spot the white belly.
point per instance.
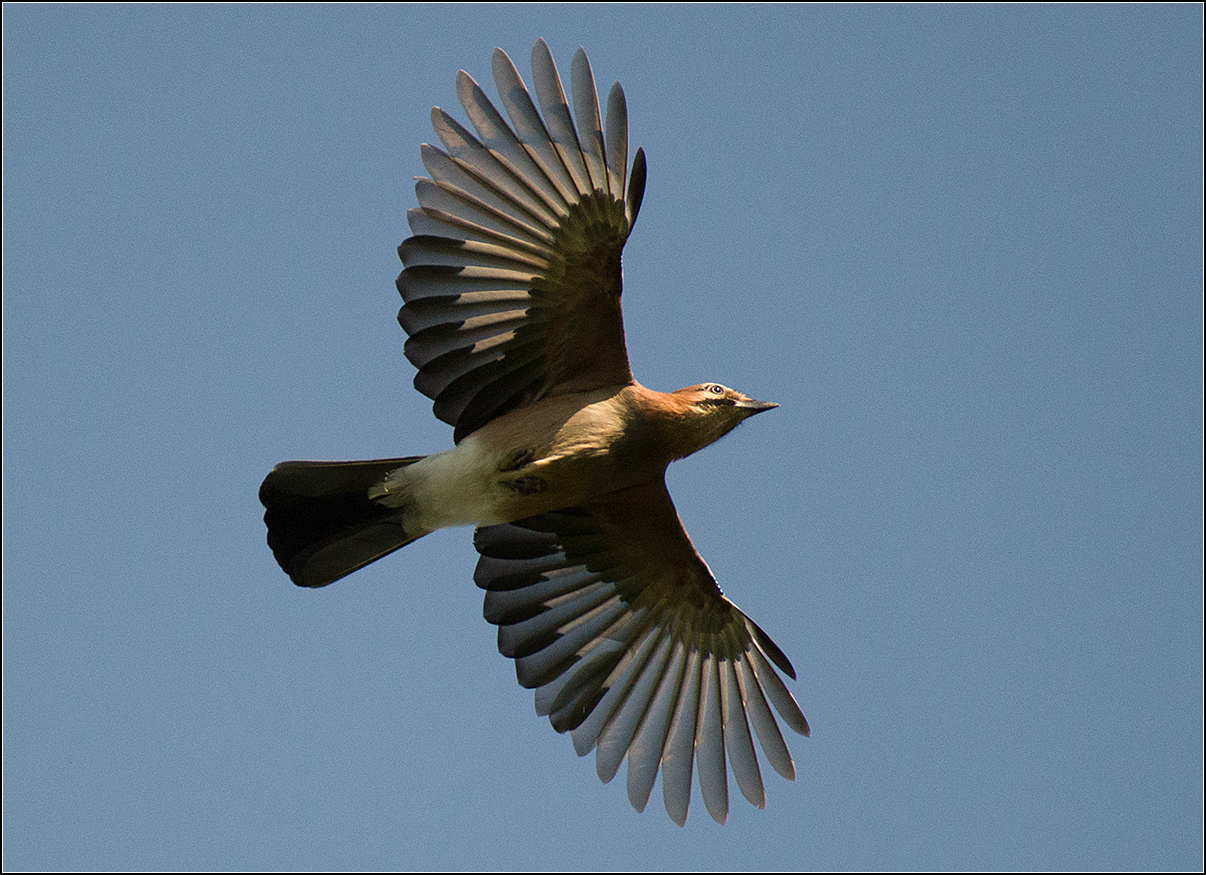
(458, 487)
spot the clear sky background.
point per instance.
(961, 247)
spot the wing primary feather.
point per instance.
(737, 741)
(709, 743)
(778, 694)
(590, 128)
(496, 135)
(767, 729)
(617, 141)
(492, 165)
(680, 743)
(616, 739)
(530, 129)
(447, 198)
(623, 666)
(557, 120)
(645, 752)
(639, 681)
(444, 168)
(636, 188)
(769, 647)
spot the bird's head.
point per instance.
(709, 411)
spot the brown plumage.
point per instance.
(512, 289)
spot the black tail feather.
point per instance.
(321, 523)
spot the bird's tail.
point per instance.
(322, 525)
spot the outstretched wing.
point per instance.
(512, 281)
(616, 621)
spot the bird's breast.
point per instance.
(566, 450)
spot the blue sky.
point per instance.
(961, 246)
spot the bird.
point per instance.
(511, 288)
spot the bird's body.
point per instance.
(546, 456)
(512, 288)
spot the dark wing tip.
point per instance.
(636, 186)
(771, 649)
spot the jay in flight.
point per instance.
(511, 286)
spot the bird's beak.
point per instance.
(751, 406)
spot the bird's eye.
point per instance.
(716, 389)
